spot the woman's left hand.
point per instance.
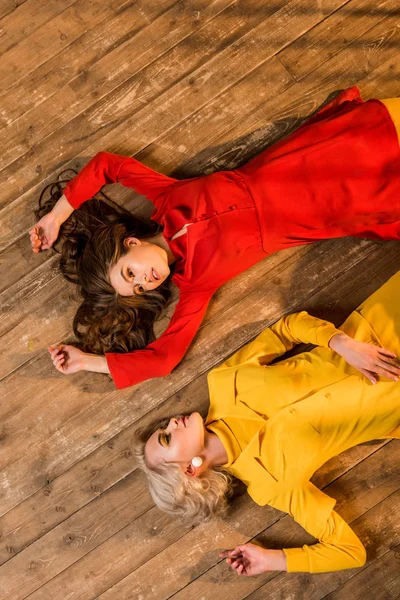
(249, 559)
(369, 359)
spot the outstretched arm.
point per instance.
(105, 168)
(155, 360)
(300, 327)
(338, 547)
(281, 337)
(101, 169)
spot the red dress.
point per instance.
(337, 175)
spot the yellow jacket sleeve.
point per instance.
(282, 336)
(302, 328)
(338, 546)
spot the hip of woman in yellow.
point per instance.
(274, 425)
(393, 106)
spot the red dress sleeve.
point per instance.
(114, 168)
(161, 356)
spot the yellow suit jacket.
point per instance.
(279, 423)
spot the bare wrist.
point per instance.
(62, 210)
(275, 560)
(95, 363)
(336, 340)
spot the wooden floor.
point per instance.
(187, 87)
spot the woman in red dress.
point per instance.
(337, 175)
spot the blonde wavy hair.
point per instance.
(193, 500)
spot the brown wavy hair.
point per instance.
(90, 241)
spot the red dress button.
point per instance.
(233, 207)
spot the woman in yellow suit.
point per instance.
(274, 425)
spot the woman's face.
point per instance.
(143, 268)
(179, 442)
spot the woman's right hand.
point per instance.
(367, 358)
(44, 233)
(67, 359)
(249, 559)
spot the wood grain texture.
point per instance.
(373, 528)
(382, 576)
(9, 6)
(335, 33)
(188, 88)
(192, 570)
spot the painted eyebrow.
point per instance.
(159, 439)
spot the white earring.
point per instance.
(197, 461)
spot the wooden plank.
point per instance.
(18, 258)
(134, 82)
(102, 415)
(235, 148)
(75, 59)
(193, 564)
(153, 532)
(8, 6)
(336, 32)
(71, 579)
(26, 18)
(182, 99)
(385, 78)
(73, 538)
(20, 261)
(29, 293)
(380, 580)
(29, 337)
(218, 582)
(277, 116)
(63, 449)
(377, 529)
(226, 154)
(170, 108)
(50, 39)
(96, 473)
(387, 33)
(346, 65)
